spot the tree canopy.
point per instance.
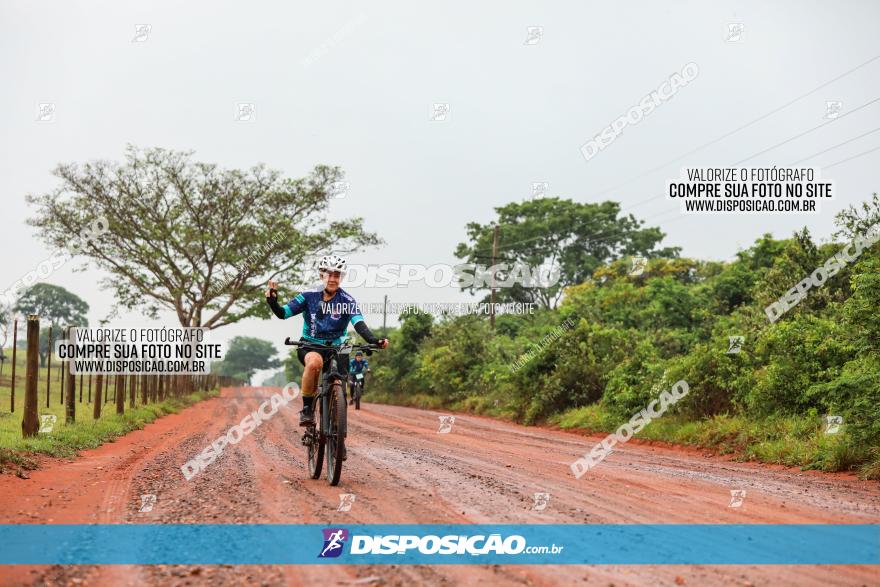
(246, 355)
(192, 237)
(54, 304)
(560, 235)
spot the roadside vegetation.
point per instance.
(176, 234)
(630, 335)
(17, 452)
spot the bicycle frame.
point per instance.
(330, 374)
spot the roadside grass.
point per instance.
(65, 440)
(795, 441)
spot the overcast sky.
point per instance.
(353, 84)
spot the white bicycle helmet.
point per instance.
(332, 263)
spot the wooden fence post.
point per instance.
(49, 367)
(30, 423)
(63, 380)
(14, 348)
(99, 384)
(119, 392)
(70, 399)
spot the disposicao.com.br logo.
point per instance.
(431, 544)
(334, 541)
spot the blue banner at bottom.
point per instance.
(569, 544)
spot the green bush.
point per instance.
(855, 395)
(630, 337)
(797, 353)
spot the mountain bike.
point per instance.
(357, 389)
(330, 425)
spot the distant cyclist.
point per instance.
(327, 311)
(358, 365)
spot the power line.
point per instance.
(609, 235)
(806, 132)
(595, 238)
(851, 158)
(739, 128)
(837, 145)
(788, 140)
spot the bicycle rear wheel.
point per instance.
(336, 434)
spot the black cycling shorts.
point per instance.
(325, 354)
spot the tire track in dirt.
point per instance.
(402, 471)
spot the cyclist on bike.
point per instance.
(327, 310)
(357, 366)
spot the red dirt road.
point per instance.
(402, 471)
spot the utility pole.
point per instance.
(494, 254)
(384, 315)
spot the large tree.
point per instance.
(247, 355)
(192, 237)
(567, 237)
(54, 304)
(57, 307)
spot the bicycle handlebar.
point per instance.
(319, 347)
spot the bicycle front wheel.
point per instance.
(315, 443)
(336, 433)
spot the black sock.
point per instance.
(307, 402)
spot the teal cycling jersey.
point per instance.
(324, 322)
(355, 366)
